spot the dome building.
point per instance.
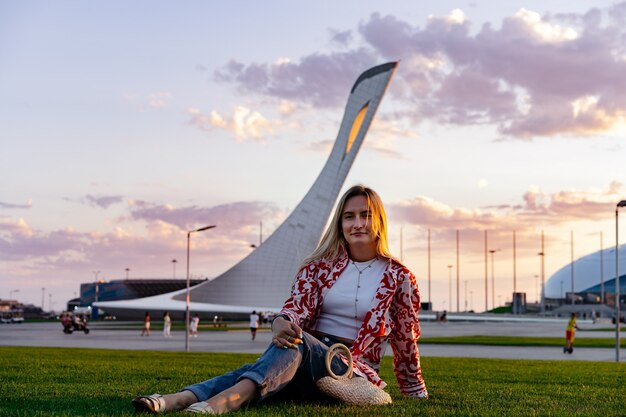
(589, 272)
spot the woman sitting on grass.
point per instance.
(350, 290)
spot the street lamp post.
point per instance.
(43, 291)
(450, 286)
(537, 283)
(458, 267)
(514, 300)
(493, 280)
(543, 301)
(617, 312)
(465, 282)
(572, 268)
(11, 293)
(486, 276)
(174, 267)
(429, 299)
(601, 274)
(96, 288)
(187, 298)
(543, 275)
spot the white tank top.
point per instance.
(350, 298)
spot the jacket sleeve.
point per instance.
(406, 357)
(302, 302)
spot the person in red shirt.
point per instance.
(569, 334)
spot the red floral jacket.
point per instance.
(392, 316)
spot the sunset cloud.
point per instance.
(544, 30)
(153, 233)
(18, 241)
(521, 77)
(318, 79)
(29, 204)
(529, 77)
(18, 227)
(231, 217)
(238, 226)
(103, 201)
(157, 100)
(341, 37)
(244, 123)
(536, 208)
(553, 212)
(382, 139)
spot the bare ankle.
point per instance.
(179, 400)
(235, 397)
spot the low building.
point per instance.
(127, 289)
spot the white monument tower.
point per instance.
(263, 279)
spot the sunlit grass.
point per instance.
(520, 341)
(91, 382)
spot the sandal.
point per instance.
(149, 403)
(201, 407)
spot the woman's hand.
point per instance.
(285, 333)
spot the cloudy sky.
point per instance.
(125, 124)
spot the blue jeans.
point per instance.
(276, 370)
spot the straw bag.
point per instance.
(357, 390)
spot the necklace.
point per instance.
(366, 267)
(356, 295)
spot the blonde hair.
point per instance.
(333, 242)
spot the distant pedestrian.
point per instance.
(146, 325)
(254, 323)
(193, 326)
(66, 321)
(167, 324)
(443, 318)
(569, 334)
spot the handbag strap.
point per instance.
(332, 351)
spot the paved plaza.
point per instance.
(238, 341)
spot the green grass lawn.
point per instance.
(90, 382)
(521, 341)
(622, 328)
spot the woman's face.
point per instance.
(356, 223)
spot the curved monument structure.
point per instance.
(262, 280)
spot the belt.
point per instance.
(329, 339)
